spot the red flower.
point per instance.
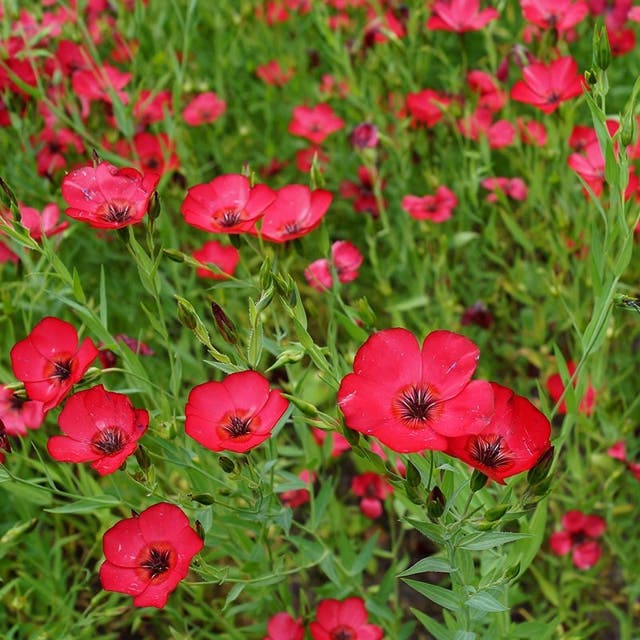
(295, 497)
(314, 123)
(477, 314)
(6, 255)
(589, 166)
(555, 387)
(514, 188)
(363, 192)
(532, 132)
(152, 107)
(18, 413)
(49, 360)
(106, 197)
(373, 489)
(436, 208)
(560, 15)
(364, 136)
(619, 452)
(100, 427)
(339, 443)
(480, 123)
(578, 536)
(55, 143)
(283, 627)
(492, 97)
(226, 258)
(99, 84)
(546, 86)
(459, 16)
(42, 223)
(413, 398)
(295, 212)
(236, 414)
(346, 259)
(146, 556)
(227, 204)
(427, 106)
(204, 108)
(273, 73)
(513, 442)
(155, 153)
(343, 620)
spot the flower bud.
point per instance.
(226, 464)
(590, 76)
(154, 207)
(203, 498)
(601, 48)
(540, 470)
(627, 129)
(512, 572)
(265, 277)
(173, 254)
(186, 314)
(416, 496)
(225, 326)
(143, 458)
(414, 479)
(306, 407)
(436, 503)
(478, 480)
(495, 513)
(5, 445)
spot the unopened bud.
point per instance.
(200, 529)
(187, 314)
(352, 437)
(540, 470)
(436, 503)
(173, 254)
(226, 464)
(203, 498)
(414, 479)
(591, 77)
(478, 480)
(143, 458)
(512, 572)
(5, 445)
(542, 488)
(306, 407)
(601, 48)
(154, 207)
(225, 326)
(366, 313)
(495, 513)
(265, 277)
(627, 129)
(415, 495)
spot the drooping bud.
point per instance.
(225, 326)
(436, 503)
(540, 470)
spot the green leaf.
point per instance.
(490, 540)
(86, 505)
(483, 601)
(437, 630)
(441, 596)
(432, 563)
(364, 556)
(432, 531)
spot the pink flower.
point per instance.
(427, 106)
(18, 413)
(148, 555)
(546, 86)
(346, 259)
(204, 108)
(314, 123)
(295, 497)
(226, 258)
(295, 212)
(589, 166)
(282, 626)
(339, 444)
(437, 208)
(560, 15)
(578, 536)
(42, 223)
(343, 620)
(514, 188)
(492, 97)
(459, 16)
(555, 387)
(273, 73)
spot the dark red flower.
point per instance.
(546, 86)
(343, 620)
(148, 555)
(106, 197)
(555, 387)
(225, 257)
(459, 16)
(314, 123)
(373, 489)
(513, 442)
(100, 427)
(204, 108)
(412, 398)
(364, 136)
(236, 414)
(282, 626)
(578, 535)
(50, 361)
(436, 208)
(477, 314)
(295, 212)
(227, 204)
(19, 413)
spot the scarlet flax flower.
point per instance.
(226, 258)
(560, 15)
(343, 620)
(226, 204)
(296, 211)
(314, 123)
(100, 427)
(296, 497)
(42, 223)
(556, 387)
(50, 361)
(513, 442)
(107, 197)
(204, 108)
(148, 555)
(412, 398)
(236, 414)
(346, 259)
(373, 489)
(283, 626)
(546, 86)
(19, 413)
(578, 536)
(459, 16)
(437, 208)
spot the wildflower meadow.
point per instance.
(319, 319)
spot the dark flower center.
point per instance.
(157, 562)
(552, 98)
(16, 402)
(343, 633)
(116, 212)
(109, 440)
(237, 426)
(488, 451)
(414, 405)
(230, 217)
(291, 228)
(62, 369)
